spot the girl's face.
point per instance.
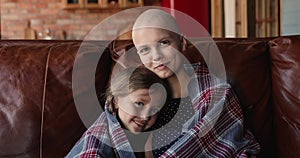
(138, 110)
(158, 50)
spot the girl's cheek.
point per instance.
(154, 118)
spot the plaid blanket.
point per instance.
(105, 138)
(216, 129)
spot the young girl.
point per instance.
(134, 98)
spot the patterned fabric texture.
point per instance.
(216, 129)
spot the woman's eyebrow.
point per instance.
(140, 46)
(167, 37)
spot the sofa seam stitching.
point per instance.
(43, 103)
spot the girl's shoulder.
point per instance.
(100, 125)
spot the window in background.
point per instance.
(290, 17)
(267, 18)
(245, 18)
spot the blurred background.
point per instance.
(73, 19)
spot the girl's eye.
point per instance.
(144, 50)
(154, 110)
(139, 104)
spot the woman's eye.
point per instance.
(139, 104)
(164, 43)
(144, 50)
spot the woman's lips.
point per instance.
(160, 67)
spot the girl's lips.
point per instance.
(140, 123)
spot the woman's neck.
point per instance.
(179, 84)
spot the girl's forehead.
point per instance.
(140, 92)
(147, 91)
(148, 95)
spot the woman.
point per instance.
(204, 118)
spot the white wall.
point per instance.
(290, 17)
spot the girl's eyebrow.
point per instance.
(140, 99)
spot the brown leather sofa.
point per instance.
(38, 116)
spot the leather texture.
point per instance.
(285, 57)
(39, 117)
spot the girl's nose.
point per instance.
(145, 117)
(146, 113)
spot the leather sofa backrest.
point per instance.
(285, 56)
(38, 116)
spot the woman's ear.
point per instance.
(184, 44)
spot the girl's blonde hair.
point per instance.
(129, 80)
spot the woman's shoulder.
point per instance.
(205, 87)
(198, 68)
(204, 79)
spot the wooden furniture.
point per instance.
(90, 4)
(30, 33)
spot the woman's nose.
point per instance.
(156, 54)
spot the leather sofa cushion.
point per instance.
(286, 94)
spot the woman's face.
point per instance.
(138, 110)
(158, 50)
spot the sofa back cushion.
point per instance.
(285, 57)
(22, 70)
(38, 116)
